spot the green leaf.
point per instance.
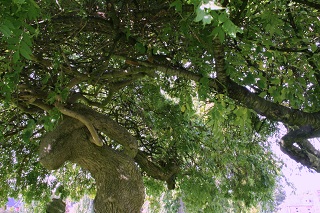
(28, 131)
(140, 48)
(230, 28)
(183, 108)
(33, 10)
(274, 93)
(221, 36)
(223, 17)
(177, 4)
(313, 47)
(25, 50)
(51, 97)
(275, 81)
(9, 23)
(34, 4)
(19, 2)
(261, 84)
(27, 39)
(200, 14)
(249, 79)
(4, 29)
(16, 56)
(268, 54)
(215, 32)
(207, 19)
(218, 32)
(204, 88)
(64, 94)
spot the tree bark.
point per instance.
(119, 183)
(56, 206)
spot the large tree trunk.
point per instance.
(119, 183)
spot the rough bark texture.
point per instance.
(56, 206)
(119, 183)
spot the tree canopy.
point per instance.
(156, 95)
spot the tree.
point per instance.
(137, 92)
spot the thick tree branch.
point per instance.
(296, 145)
(241, 94)
(110, 127)
(218, 51)
(96, 139)
(166, 173)
(272, 110)
(41, 105)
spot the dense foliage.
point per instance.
(199, 84)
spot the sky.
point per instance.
(301, 177)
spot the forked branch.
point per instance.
(95, 137)
(297, 146)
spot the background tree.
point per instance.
(137, 92)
